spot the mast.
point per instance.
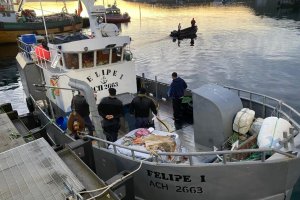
(20, 5)
(94, 12)
(46, 32)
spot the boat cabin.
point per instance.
(101, 62)
(79, 52)
(113, 10)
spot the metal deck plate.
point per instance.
(35, 171)
(9, 135)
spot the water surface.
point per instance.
(252, 45)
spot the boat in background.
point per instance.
(189, 32)
(13, 24)
(114, 15)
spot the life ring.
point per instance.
(30, 104)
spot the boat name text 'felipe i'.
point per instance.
(175, 178)
(102, 77)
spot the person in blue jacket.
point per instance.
(176, 92)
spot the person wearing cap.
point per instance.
(176, 92)
(81, 107)
(111, 109)
(141, 106)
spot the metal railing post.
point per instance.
(264, 107)
(191, 160)
(156, 88)
(224, 158)
(285, 143)
(263, 156)
(292, 142)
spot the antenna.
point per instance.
(44, 22)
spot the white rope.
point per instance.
(112, 184)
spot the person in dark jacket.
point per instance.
(111, 109)
(176, 92)
(140, 107)
(80, 106)
(193, 22)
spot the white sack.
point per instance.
(243, 120)
(271, 132)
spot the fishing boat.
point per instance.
(114, 15)
(14, 24)
(189, 32)
(201, 160)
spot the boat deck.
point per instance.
(186, 133)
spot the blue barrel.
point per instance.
(28, 38)
(62, 122)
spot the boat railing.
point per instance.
(25, 49)
(38, 54)
(225, 156)
(278, 107)
(263, 105)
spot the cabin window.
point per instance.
(88, 59)
(116, 54)
(102, 57)
(71, 60)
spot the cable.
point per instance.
(163, 123)
(112, 184)
(152, 152)
(157, 107)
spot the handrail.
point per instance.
(266, 96)
(224, 153)
(29, 51)
(292, 110)
(291, 116)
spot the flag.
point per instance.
(79, 10)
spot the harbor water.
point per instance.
(253, 45)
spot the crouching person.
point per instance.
(76, 125)
(80, 105)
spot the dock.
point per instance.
(35, 171)
(9, 135)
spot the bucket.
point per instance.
(62, 122)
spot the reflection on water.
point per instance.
(7, 52)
